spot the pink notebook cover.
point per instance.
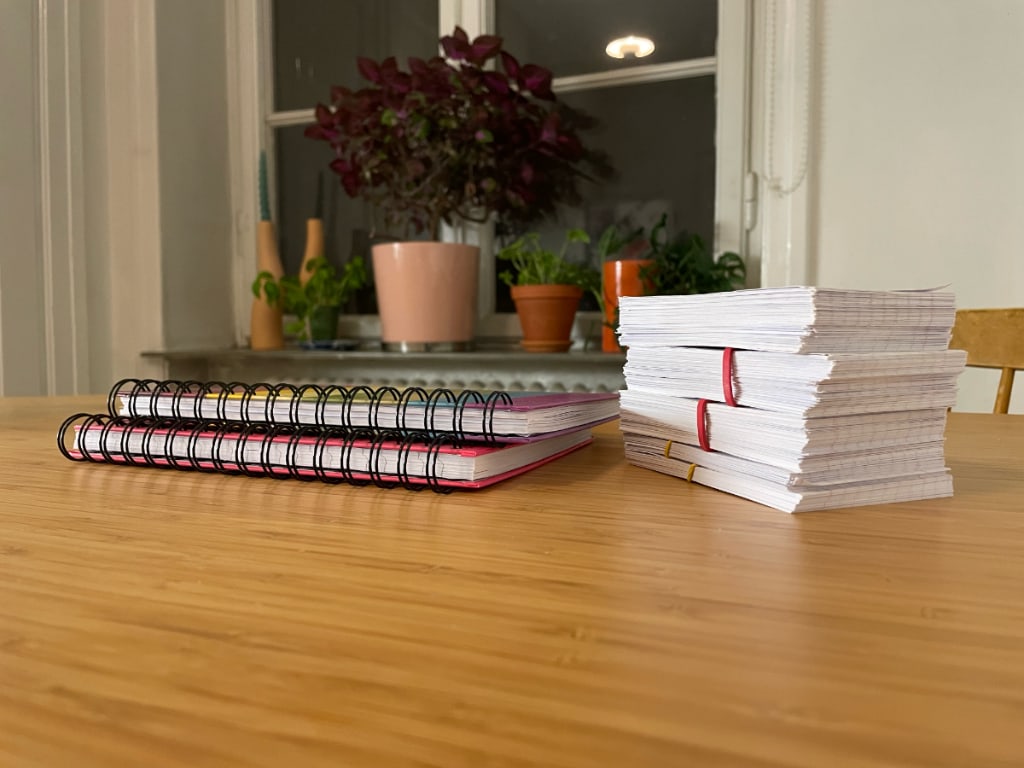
(281, 471)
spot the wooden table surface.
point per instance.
(589, 613)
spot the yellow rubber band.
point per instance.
(668, 449)
(689, 473)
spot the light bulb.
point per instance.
(631, 45)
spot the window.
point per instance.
(658, 115)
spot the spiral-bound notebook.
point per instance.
(505, 417)
(385, 458)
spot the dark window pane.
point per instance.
(301, 167)
(316, 43)
(661, 140)
(569, 36)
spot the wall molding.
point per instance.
(787, 109)
(246, 110)
(133, 173)
(61, 197)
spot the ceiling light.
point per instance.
(630, 46)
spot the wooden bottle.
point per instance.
(314, 247)
(266, 329)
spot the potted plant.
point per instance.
(315, 298)
(684, 265)
(623, 253)
(546, 288)
(450, 140)
(659, 264)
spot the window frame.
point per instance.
(252, 124)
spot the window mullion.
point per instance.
(474, 16)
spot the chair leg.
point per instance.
(1003, 393)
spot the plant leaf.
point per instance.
(483, 48)
(368, 69)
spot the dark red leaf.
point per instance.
(456, 46)
(368, 69)
(483, 48)
(317, 132)
(324, 115)
(418, 67)
(536, 80)
(339, 92)
(510, 64)
(399, 82)
(496, 82)
(549, 130)
(350, 181)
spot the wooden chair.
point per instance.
(993, 338)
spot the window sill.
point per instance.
(496, 365)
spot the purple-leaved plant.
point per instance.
(450, 138)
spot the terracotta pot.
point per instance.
(620, 277)
(426, 295)
(546, 313)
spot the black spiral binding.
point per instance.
(415, 409)
(229, 441)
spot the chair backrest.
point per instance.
(993, 338)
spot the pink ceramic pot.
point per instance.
(426, 293)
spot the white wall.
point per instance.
(43, 313)
(114, 189)
(920, 154)
(22, 324)
(96, 205)
(195, 204)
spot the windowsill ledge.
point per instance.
(487, 367)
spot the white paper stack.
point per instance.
(825, 398)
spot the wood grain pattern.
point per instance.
(589, 613)
(992, 338)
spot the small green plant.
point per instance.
(684, 265)
(616, 238)
(326, 289)
(535, 265)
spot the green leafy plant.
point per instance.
(616, 238)
(533, 264)
(616, 241)
(457, 137)
(326, 288)
(684, 265)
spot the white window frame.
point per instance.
(250, 78)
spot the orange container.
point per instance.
(620, 277)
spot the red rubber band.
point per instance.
(702, 425)
(730, 398)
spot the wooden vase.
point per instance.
(546, 314)
(314, 247)
(266, 330)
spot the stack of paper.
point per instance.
(797, 398)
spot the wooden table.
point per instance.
(587, 614)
